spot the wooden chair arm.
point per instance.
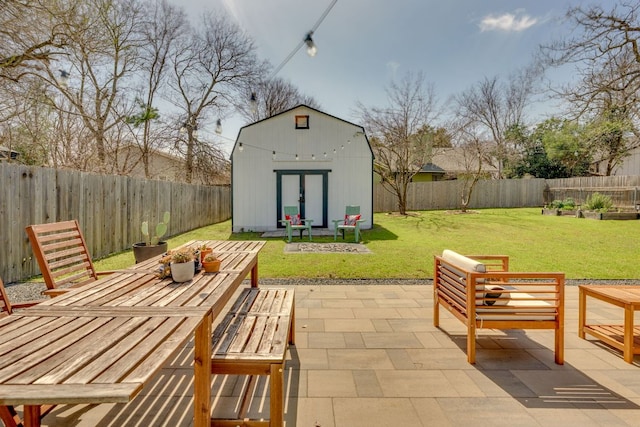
(106, 272)
(55, 292)
(25, 304)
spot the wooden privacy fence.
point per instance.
(110, 210)
(624, 191)
(504, 193)
(512, 193)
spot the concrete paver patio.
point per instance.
(369, 356)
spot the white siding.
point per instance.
(254, 179)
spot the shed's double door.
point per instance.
(307, 190)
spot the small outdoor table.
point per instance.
(625, 337)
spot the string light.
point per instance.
(312, 49)
(283, 155)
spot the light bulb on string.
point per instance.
(240, 147)
(312, 49)
(273, 155)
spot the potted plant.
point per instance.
(182, 265)
(152, 244)
(211, 263)
(204, 251)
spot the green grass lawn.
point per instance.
(403, 247)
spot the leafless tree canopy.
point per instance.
(104, 85)
(267, 98)
(493, 106)
(399, 132)
(604, 50)
(30, 34)
(210, 67)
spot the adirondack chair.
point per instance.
(62, 255)
(351, 221)
(293, 221)
(8, 414)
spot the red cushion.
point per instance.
(351, 219)
(295, 219)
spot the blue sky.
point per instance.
(364, 44)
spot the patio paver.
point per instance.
(369, 355)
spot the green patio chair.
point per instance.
(293, 221)
(351, 221)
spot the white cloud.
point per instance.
(507, 22)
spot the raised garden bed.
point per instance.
(608, 215)
(558, 212)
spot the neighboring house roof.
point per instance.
(453, 161)
(432, 169)
(6, 153)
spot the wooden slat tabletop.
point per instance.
(82, 349)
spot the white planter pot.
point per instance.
(182, 272)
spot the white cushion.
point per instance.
(513, 310)
(463, 262)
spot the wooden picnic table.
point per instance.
(102, 342)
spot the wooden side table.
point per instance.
(625, 337)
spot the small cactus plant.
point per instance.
(152, 239)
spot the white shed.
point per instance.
(301, 157)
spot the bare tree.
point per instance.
(599, 37)
(605, 52)
(270, 97)
(496, 107)
(476, 153)
(30, 34)
(160, 35)
(399, 133)
(210, 67)
(103, 54)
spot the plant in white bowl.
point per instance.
(182, 265)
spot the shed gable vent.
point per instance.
(302, 122)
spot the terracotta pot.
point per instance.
(204, 253)
(183, 271)
(211, 266)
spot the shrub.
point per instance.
(568, 204)
(556, 204)
(598, 202)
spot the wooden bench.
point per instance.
(481, 292)
(252, 340)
